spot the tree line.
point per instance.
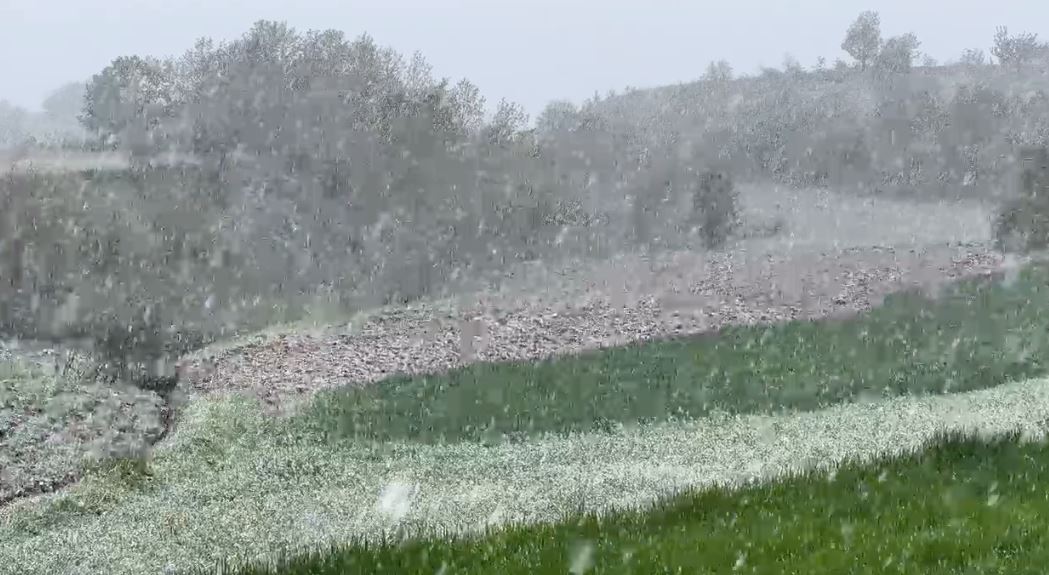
(316, 168)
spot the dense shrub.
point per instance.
(716, 207)
(1022, 223)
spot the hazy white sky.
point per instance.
(529, 51)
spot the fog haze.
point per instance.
(526, 51)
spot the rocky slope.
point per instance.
(542, 312)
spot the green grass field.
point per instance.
(606, 430)
(911, 514)
(979, 334)
(961, 504)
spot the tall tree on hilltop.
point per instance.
(128, 98)
(863, 38)
(1015, 50)
(898, 54)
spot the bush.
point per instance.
(715, 207)
(1022, 225)
(138, 353)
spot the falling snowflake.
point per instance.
(395, 501)
(741, 561)
(582, 558)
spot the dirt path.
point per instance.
(543, 312)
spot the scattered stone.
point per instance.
(604, 305)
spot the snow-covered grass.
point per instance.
(233, 484)
(53, 425)
(962, 502)
(230, 486)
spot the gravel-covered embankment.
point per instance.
(540, 313)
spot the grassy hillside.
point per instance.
(233, 483)
(228, 486)
(977, 334)
(336, 171)
(959, 504)
(950, 131)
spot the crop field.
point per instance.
(933, 408)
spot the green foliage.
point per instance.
(129, 472)
(958, 503)
(137, 352)
(978, 334)
(54, 418)
(97, 266)
(277, 213)
(715, 206)
(945, 135)
(1022, 224)
(320, 165)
